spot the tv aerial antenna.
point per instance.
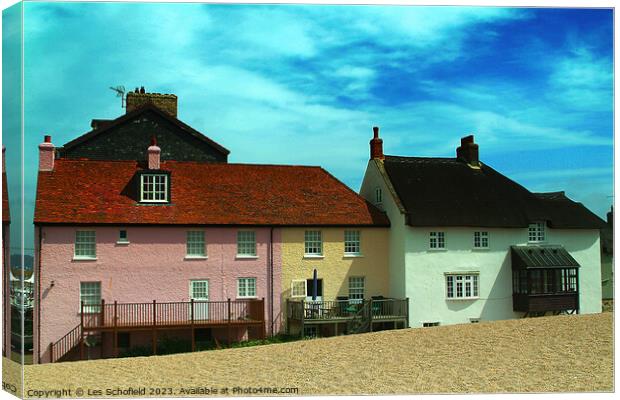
(120, 92)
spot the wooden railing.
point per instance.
(347, 309)
(65, 344)
(161, 314)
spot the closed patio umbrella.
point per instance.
(315, 282)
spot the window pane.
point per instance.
(246, 243)
(90, 295)
(356, 287)
(313, 243)
(196, 243)
(154, 187)
(246, 287)
(461, 286)
(85, 244)
(298, 288)
(352, 242)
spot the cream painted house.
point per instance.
(468, 244)
(351, 264)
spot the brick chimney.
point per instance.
(139, 98)
(468, 151)
(376, 145)
(3, 158)
(46, 154)
(154, 153)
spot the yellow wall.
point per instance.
(334, 268)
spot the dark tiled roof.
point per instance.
(448, 192)
(103, 192)
(111, 124)
(6, 213)
(525, 257)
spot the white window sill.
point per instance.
(245, 257)
(439, 249)
(314, 256)
(480, 249)
(247, 297)
(195, 258)
(79, 258)
(123, 242)
(462, 298)
(353, 255)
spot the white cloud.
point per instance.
(582, 80)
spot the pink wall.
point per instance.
(151, 267)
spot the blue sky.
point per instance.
(305, 84)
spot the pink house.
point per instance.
(143, 232)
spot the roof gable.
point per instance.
(127, 137)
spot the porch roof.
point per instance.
(550, 256)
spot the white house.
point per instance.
(467, 244)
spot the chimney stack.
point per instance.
(376, 145)
(46, 154)
(154, 153)
(139, 97)
(468, 151)
(3, 158)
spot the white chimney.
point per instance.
(46, 154)
(154, 153)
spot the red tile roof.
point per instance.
(6, 215)
(99, 192)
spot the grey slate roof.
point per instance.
(526, 257)
(448, 192)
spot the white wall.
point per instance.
(397, 271)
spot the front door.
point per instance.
(199, 292)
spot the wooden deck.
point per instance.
(115, 317)
(358, 315)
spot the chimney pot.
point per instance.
(376, 145)
(47, 139)
(153, 140)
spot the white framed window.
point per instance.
(437, 240)
(313, 243)
(85, 245)
(481, 240)
(90, 295)
(378, 195)
(462, 286)
(246, 288)
(196, 244)
(246, 243)
(122, 236)
(154, 188)
(536, 232)
(356, 288)
(298, 288)
(352, 243)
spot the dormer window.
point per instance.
(536, 232)
(154, 188)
